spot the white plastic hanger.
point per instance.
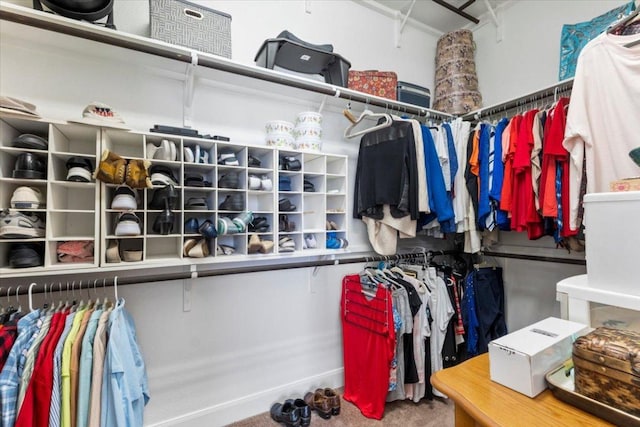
(368, 114)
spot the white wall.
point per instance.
(251, 339)
(528, 56)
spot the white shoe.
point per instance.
(16, 225)
(27, 198)
(187, 153)
(126, 199)
(128, 225)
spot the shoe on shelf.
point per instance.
(228, 158)
(310, 241)
(166, 196)
(290, 163)
(111, 169)
(125, 199)
(165, 151)
(196, 180)
(225, 225)
(285, 205)
(187, 154)
(286, 244)
(258, 225)
(18, 225)
(29, 166)
(137, 175)
(208, 230)
(229, 180)
(128, 225)
(162, 175)
(309, 187)
(257, 245)
(225, 250)
(193, 248)
(285, 413)
(27, 198)
(25, 255)
(79, 169)
(191, 226)
(196, 204)
(242, 220)
(253, 161)
(318, 402)
(131, 255)
(233, 202)
(284, 225)
(163, 223)
(30, 141)
(284, 183)
(112, 254)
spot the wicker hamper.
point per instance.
(456, 89)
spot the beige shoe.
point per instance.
(255, 244)
(113, 252)
(200, 249)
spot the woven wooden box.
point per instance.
(607, 368)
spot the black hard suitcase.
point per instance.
(414, 94)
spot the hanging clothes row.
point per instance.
(74, 364)
(402, 323)
(509, 175)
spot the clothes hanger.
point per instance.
(368, 114)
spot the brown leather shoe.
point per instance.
(333, 398)
(318, 402)
(111, 168)
(138, 174)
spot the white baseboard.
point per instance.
(256, 403)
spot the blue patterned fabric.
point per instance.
(575, 36)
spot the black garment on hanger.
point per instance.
(387, 173)
(471, 179)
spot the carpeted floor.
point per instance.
(436, 413)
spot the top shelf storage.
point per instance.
(47, 21)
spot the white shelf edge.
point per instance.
(577, 287)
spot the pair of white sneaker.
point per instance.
(165, 151)
(195, 154)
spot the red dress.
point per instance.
(368, 343)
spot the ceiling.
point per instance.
(435, 16)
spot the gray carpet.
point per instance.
(436, 413)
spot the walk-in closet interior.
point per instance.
(217, 329)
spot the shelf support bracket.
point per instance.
(187, 119)
(496, 21)
(401, 23)
(186, 288)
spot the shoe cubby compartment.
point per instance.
(173, 167)
(263, 224)
(200, 218)
(71, 225)
(203, 152)
(337, 219)
(162, 248)
(333, 240)
(73, 196)
(313, 216)
(226, 153)
(5, 252)
(231, 178)
(313, 163)
(295, 202)
(156, 142)
(336, 185)
(295, 237)
(265, 156)
(58, 166)
(289, 223)
(8, 163)
(236, 241)
(231, 200)
(111, 219)
(75, 140)
(13, 127)
(123, 143)
(260, 182)
(336, 203)
(153, 230)
(295, 178)
(313, 241)
(7, 189)
(317, 180)
(260, 203)
(151, 194)
(130, 250)
(200, 177)
(336, 165)
(110, 193)
(69, 260)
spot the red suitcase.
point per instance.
(379, 83)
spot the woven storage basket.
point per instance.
(456, 89)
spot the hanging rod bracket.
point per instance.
(187, 118)
(496, 20)
(401, 21)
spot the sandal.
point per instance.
(225, 250)
(259, 225)
(285, 205)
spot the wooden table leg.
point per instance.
(463, 419)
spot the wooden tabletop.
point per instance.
(492, 404)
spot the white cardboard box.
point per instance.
(521, 359)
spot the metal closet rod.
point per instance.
(122, 280)
(523, 100)
(536, 258)
(61, 25)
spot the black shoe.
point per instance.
(168, 193)
(259, 225)
(25, 255)
(304, 411)
(286, 414)
(233, 202)
(164, 222)
(29, 166)
(30, 141)
(79, 169)
(229, 180)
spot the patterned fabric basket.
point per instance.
(190, 25)
(379, 83)
(456, 89)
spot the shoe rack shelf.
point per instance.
(70, 210)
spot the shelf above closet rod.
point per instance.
(83, 30)
(555, 89)
(135, 280)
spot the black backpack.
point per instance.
(84, 10)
